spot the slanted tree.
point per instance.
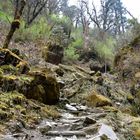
(85, 21)
(19, 6)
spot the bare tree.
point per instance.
(85, 21)
(110, 18)
(37, 7)
(34, 8)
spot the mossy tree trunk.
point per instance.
(20, 4)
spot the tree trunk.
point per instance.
(16, 22)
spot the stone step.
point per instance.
(67, 133)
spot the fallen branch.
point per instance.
(12, 54)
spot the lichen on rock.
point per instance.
(97, 100)
(53, 53)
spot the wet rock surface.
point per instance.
(70, 126)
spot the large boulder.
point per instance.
(44, 85)
(127, 64)
(36, 85)
(53, 53)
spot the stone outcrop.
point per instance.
(37, 85)
(53, 53)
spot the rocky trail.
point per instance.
(84, 113)
(92, 106)
(68, 101)
(77, 122)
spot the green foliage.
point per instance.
(70, 53)
(59, 20)
(61, 30)
(77, 33)
(58, 36)
(106, 49)
(5, 17)
(131, 33)
(54, 28)
(134, 25)
(38, 30)
(78, 43)
(6, 14)
(78, 39)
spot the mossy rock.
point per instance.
(44, 88)
(53, 53)
(130, 98)
(9, 69)
(8, 102)
(12, 61)
(137, 75)
(8, 82)
(137, 133)
(8, 58)
(40, 85)
(110, 109)
(97, 100)
(23, 67)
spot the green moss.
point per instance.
(13, 97)
(14, 106)
(49, 112)
(3, 106)
(97, 100)
(9, 77)
(21, 109)
(9, 68)
(1, 71)
(24, 79)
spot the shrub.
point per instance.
(78, 43)
(6, 14)
(106, 49)
(58, 36)
(5, 17)
(70, 53)
(40, 29)
(61, 30)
